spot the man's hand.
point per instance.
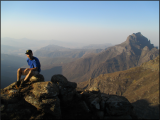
(26, 69)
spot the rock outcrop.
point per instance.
(61, 99)
(66, 89)
(105, 106)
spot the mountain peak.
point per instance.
(136, 37)
(138, 33)
(138, 40)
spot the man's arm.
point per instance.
(32, 69)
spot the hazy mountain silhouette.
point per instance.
(37, 44)
(97, 46)
(53, 48)
(17, 51)
(6, 48)
(19, 46)
(55, 51)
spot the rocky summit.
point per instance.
(61, 99)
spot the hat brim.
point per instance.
(27, 53)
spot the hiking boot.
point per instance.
(22, 83)
(18, 83)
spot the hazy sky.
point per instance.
(80, 21)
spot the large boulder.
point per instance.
(16, 110)
(44, 97)
(44, 89)
(92, 97)
(66, 89)
(94, 100)
(118, 106)
(105, 106)
(9, 87)
(10, 96)
(59, 79)
(37, 78)
(104, 98)
(51, 106)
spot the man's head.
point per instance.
(29, 54)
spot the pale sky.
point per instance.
(94, 22)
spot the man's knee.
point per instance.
(30, 72)
(19, 70)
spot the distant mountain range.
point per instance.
(19, 46)
(132, 52)
(17, 51)
(55, 51)
(139, 83)
(97, 46)
(81, 64)
(37, 44)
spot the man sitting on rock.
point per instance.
(35, 68)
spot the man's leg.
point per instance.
(28, 76)
(19, 73)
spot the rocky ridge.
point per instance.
(140, 85)
(136, 50)
(61, 99)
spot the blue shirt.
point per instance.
(34, 63)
